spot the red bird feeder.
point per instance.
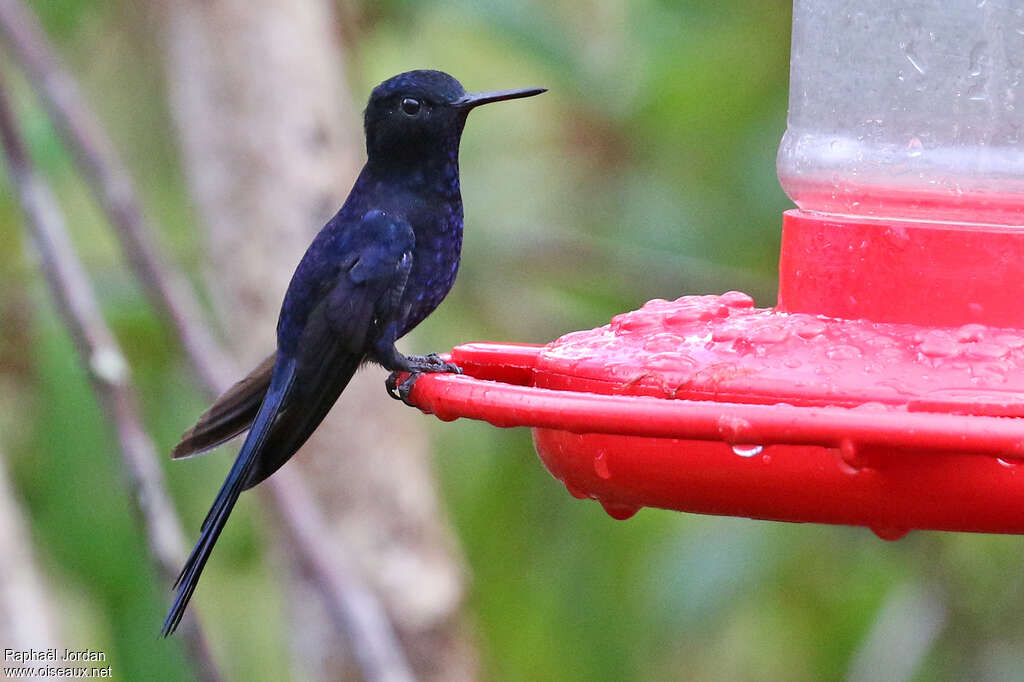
(886, 388)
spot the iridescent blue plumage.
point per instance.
(376, 270)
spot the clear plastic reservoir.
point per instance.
(908, 109)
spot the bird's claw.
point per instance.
(418, 365)
(401, 391)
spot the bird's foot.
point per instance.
(400, 391)
(428, 364)
(419, 365)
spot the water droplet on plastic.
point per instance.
(989, 372)
(970, 332)
(731, 428)
(874, 406)
(890, 534)
(811, 329)
(843, 352)
(1011, 341)
(736, 299)
(767, 334)
(747, 450)
(601, 466)
(850, 461)
(914, 147)
(576, 492)
(826, 368)
(983, 350)
(619, 511)
(939, 344)
(723, 334)
(1009, 463)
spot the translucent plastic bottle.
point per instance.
(907, 109)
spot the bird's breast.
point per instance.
(435, 263)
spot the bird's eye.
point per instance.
(410, 106)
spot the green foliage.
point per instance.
(73, 486)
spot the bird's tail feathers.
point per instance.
(232, 413)
(280, 385)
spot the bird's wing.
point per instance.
(305, 383)
(335, 339)
(230, 415)
(350, 317)
(323, 369)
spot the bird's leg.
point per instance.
(388, 356)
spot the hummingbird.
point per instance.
(380, 266)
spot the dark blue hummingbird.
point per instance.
(376, 270)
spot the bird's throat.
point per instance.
(433, 174)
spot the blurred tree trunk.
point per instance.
(26, 614)
(26, 608)
(271, 146)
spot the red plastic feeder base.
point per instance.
(706, 404)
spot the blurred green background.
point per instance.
(647, 171)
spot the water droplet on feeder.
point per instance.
(849, 455)
(811, 329)
(890, 534)
(767, 334)
(970, 332)
(986, 350)
(576, 492)
(736, 299)
(1011, 341)
(732, 428)
(939, 344)
(601, 466)
(619, 511)
(747, 450)
(843, 352)
(721, 334)
(446, 415)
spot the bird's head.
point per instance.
(420, 113)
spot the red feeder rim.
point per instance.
(840, 406)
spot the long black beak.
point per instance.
(477, 98)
